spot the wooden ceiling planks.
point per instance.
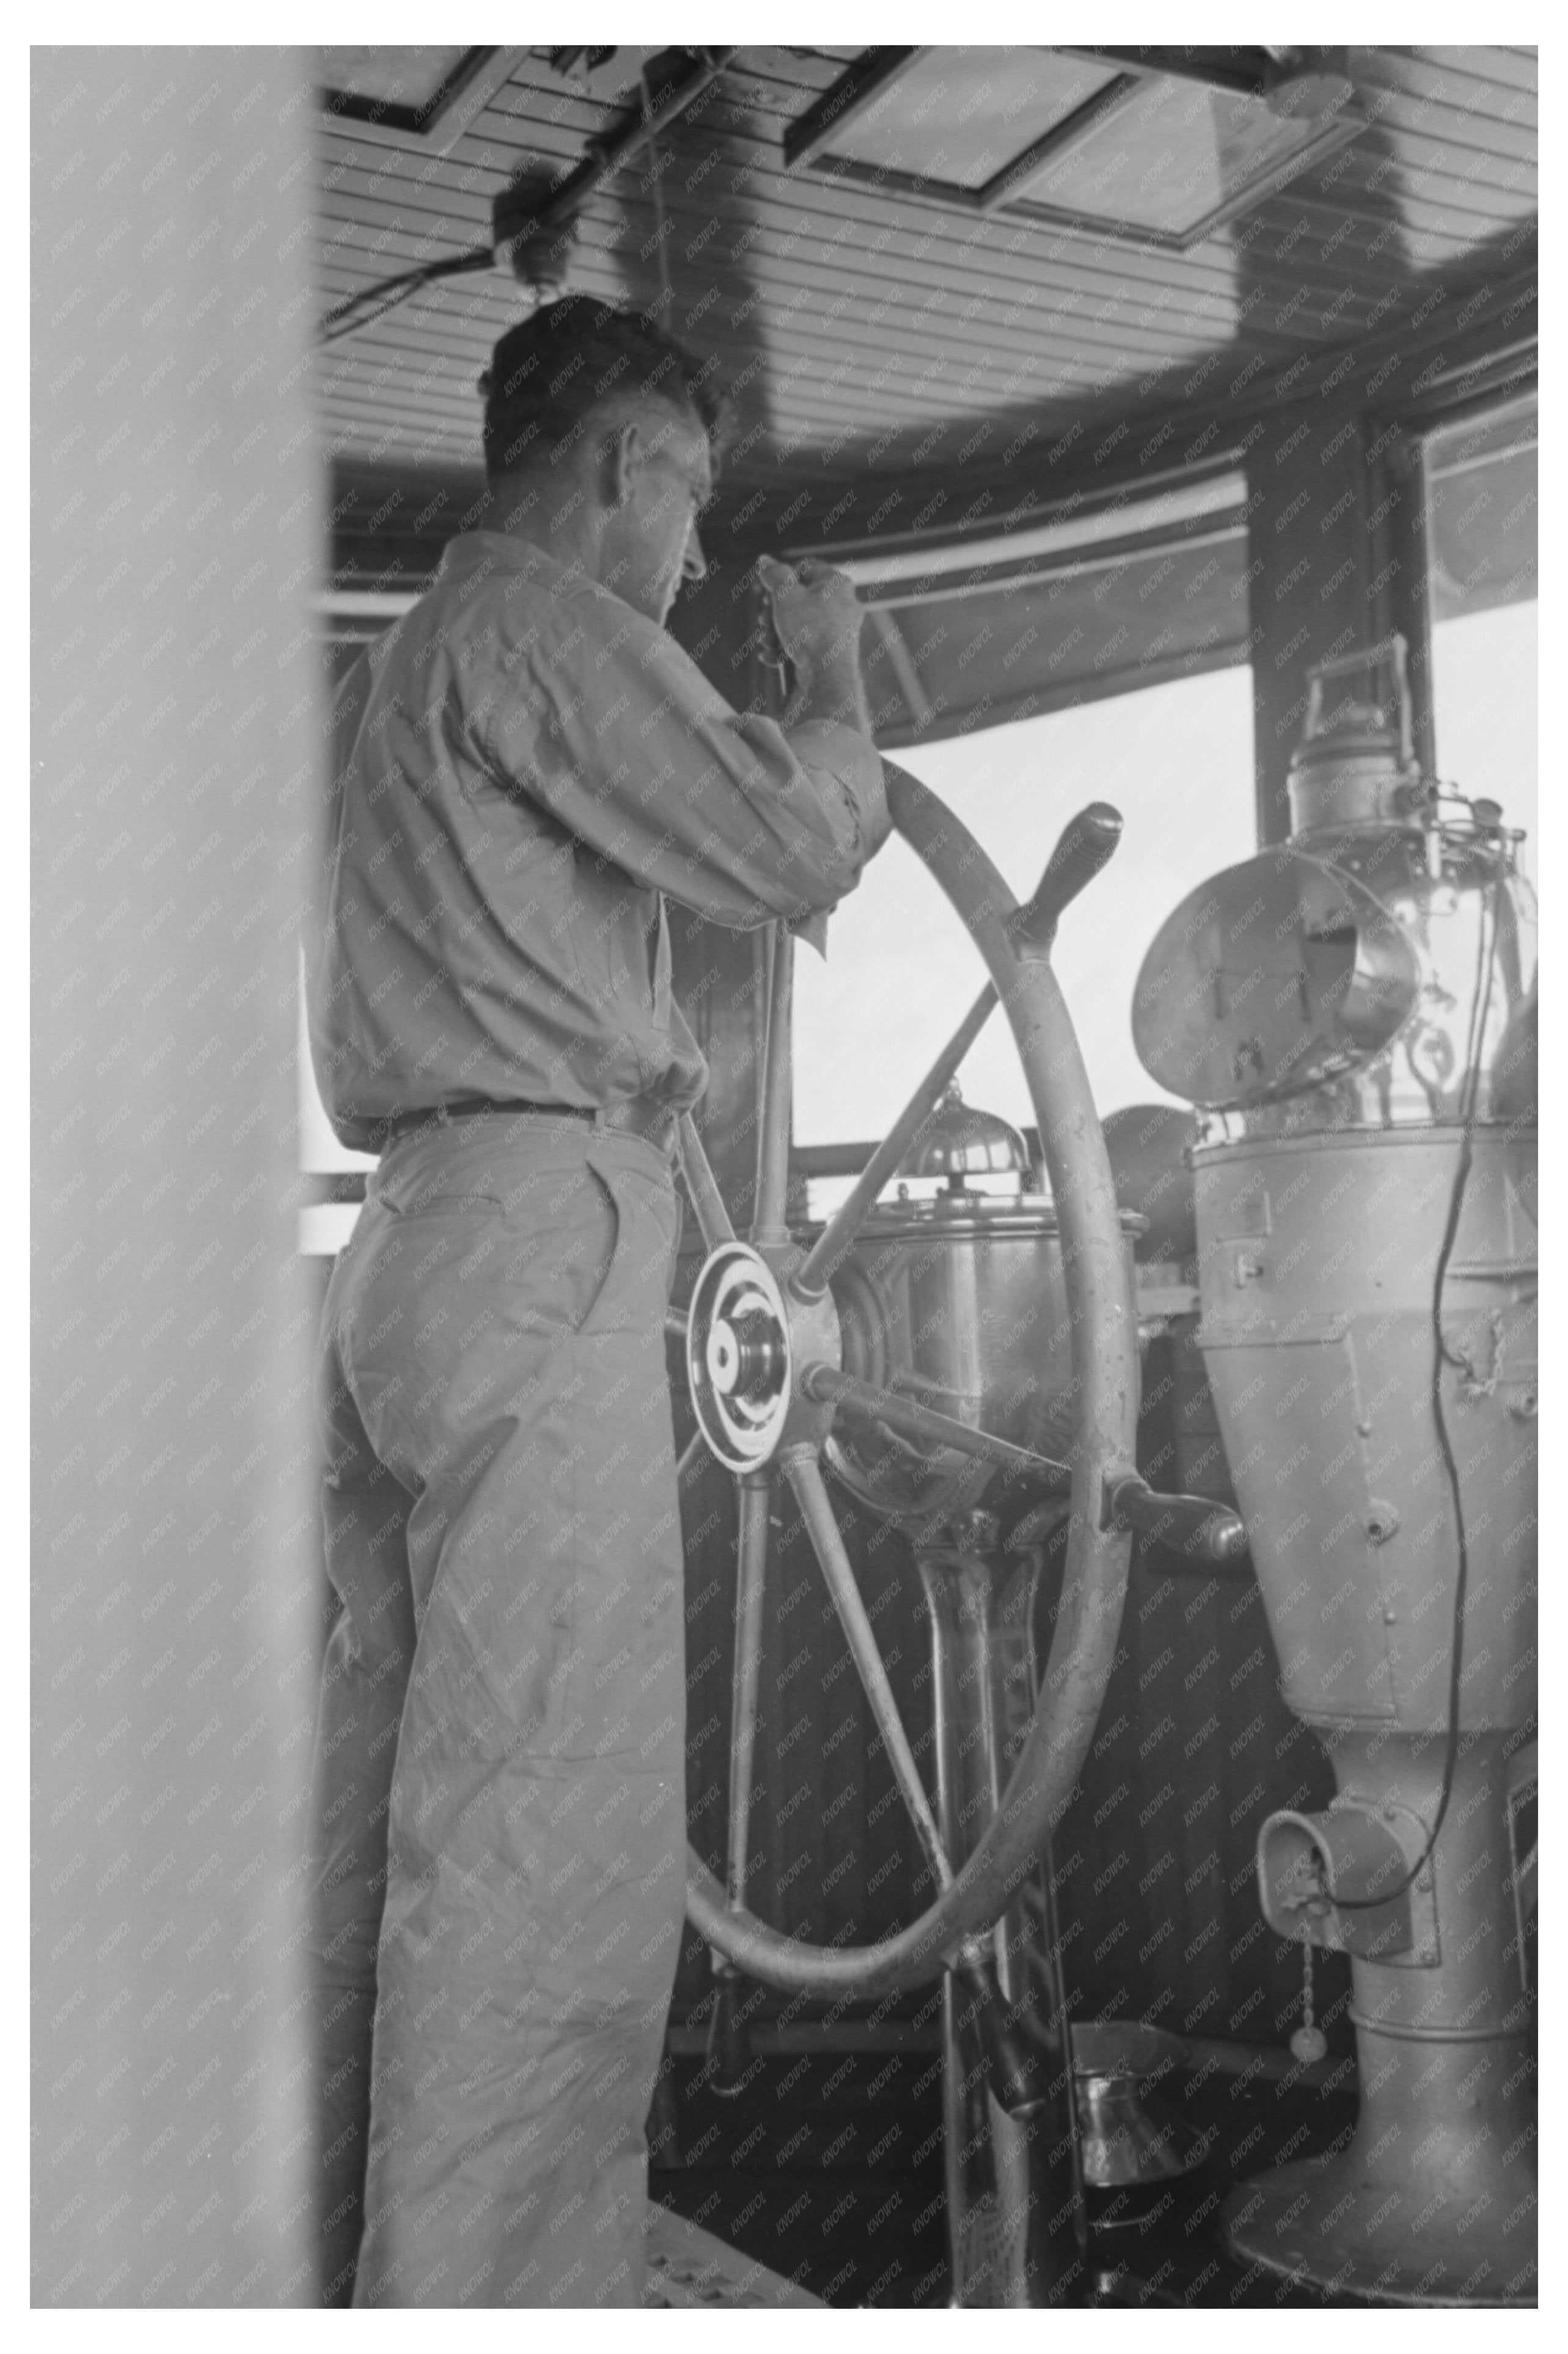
(884, 318)
(953, 238)
(1336, 170)
(1472, 81)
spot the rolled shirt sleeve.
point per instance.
(624, 741)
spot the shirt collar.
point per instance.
(497, 551)
(477, 556)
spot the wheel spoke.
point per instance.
(837, 1237)
(864, 1402)
(1086, 844)
(701, 1186)
(676, 1325)
(816, 1507)
(751, 1560)
(767, 1226)
(691, 1454)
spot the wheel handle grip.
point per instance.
(1188, 1524)
(1086, 844)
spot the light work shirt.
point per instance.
(525, 767)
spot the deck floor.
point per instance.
(689, 2267)
(827, 2173)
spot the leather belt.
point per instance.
(633, 1117)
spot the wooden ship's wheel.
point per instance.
(764, 1360)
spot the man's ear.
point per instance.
(624, 459)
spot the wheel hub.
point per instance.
(738, 1359)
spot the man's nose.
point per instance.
(694, 563)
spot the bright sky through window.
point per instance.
(1485, 689)
(1176, 760)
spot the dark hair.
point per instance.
(571, 359)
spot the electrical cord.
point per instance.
(604, 155)
(1443, 1355)
(386, 293)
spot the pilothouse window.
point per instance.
(1481, 499)
(1175, 759)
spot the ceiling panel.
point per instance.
(874, 332)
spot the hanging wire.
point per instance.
(372, 302)
(1442, 1355)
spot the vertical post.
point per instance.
(769, 1228)
(719, 976)
(1017, 2224)
(176, 799)
(755, 1493)
(1400, 592)
(727, 2041)
(1311, 575)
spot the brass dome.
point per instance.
(959, 1141)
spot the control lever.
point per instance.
(1189, 1525)
(1086, 844)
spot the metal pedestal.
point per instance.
(1352, 1012)
(1014, 2207)
(1433, 2201)
(1318, 1319)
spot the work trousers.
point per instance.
(498, 1832)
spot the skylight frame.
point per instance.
(395, 114)
(809, 141)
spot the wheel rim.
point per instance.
(1104, 1373)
